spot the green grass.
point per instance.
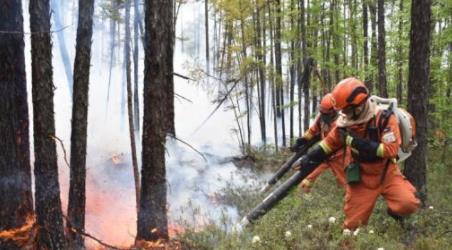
(430, 228)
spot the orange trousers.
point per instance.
(360, 198)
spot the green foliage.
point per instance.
(301, 221)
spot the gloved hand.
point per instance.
(306, 185)
(367, 148)
(303, 161)
(299, 143)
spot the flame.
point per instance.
(21, 235)
(116, 159)
(175, 230)
(158, 245)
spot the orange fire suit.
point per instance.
(360, 198)
(337, 162)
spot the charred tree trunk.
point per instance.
(418, 84)
(159, 37)
(47, 189)
(15, 170)
(381, 51)
(77, 197)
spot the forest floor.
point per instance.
(304, 221)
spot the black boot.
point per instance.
(400, 219)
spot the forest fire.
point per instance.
(116, 159)
(21, 236)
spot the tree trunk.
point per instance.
(112, 45)
(418, 84)
(133, 149)
(373, 45)
(292, 69)
(57, 8)
(279, 78)
(16, 197)
(47, 189)
(77, 197)
(272, 77)
(260, 52)
(400, 58)
(206, 18)
(305, 81)
(365, 43)
(381, 51)
(303, 32)
(159, 37)
(136, 50)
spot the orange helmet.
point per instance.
(349, 92)
(326, 104)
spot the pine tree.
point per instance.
(47, 189)
(77, 197)
(15, 171)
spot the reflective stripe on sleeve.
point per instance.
(307, 135)
(380, 150)
(326, 148)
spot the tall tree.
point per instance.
(400, 57)
(206, 24)
(365, 43)
(373, 45)
(15, 170)
(292, 68)
(158, 75)
(47, 189)
(260, 52)
(278, 65)
(77, 193)
(136, 49)
(130, 110)
(418, 84)
(383, 91)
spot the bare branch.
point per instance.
(182, 76)
(62, 146)
(190, 146)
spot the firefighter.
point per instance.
(373, 136)
(323, 124)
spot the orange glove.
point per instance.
(306, 185)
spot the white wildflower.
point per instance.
(256, 240)
(346, 232)
(430, 207)
(356, 232)
(332, 220)
(371, 231)
(380, 248)
(288, 234)
(309, 226)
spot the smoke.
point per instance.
(192, 181)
